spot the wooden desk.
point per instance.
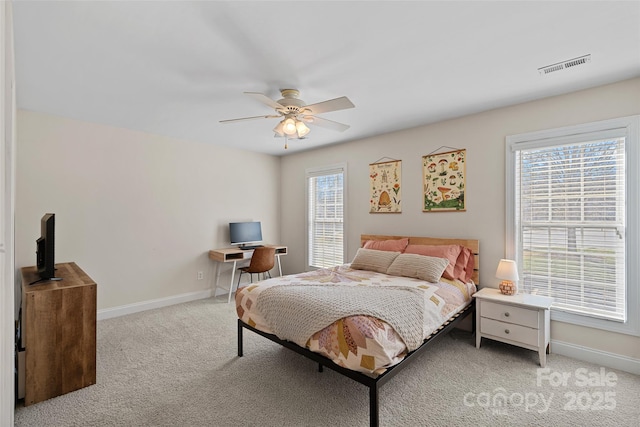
(58, 332)
(234, 255)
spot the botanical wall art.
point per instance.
(385, 187)
(444, 181)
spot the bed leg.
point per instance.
(373, 405)
(473, 321)
(320, 367)
(239, 338)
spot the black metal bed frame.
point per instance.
(371, 382)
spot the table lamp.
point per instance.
(508, 272)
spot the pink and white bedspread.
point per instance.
(360, 342)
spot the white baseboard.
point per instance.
(122, 310)
(604, 358)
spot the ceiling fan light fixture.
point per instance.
(279, 129)
(289, 126)
(302, 129)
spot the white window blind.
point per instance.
(570, 216)
(325, 221)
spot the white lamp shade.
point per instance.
(507, 270)
(302, 129)
(289, 126)
(279, 129)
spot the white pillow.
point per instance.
(418, 266)
(373, 260)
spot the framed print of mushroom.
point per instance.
(386, 187)
(444, 181)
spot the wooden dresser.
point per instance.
(58, 332)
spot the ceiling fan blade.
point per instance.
(250, 118)
(264, 99)
(326, 123)
(336, 104)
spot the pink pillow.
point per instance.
(450, 252)
(387, 245)
(471, 264)
(464, 265)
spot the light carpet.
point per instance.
(178, 366)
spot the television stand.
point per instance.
(58, 333)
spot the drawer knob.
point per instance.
(506, 314)
(506, 331)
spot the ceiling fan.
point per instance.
(295, 115)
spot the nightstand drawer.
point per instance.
(509, 313)
(509, 331)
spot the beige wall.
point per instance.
(483, 135)
(137, 212)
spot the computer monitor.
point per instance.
(245, 233)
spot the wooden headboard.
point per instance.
(472, 244)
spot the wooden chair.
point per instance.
(262, 261)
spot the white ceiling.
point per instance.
(177, 68)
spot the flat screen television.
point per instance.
(45, 248)
(245, 233)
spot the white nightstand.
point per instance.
(521, 320)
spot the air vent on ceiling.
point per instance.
(570, 63)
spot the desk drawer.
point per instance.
(509, 331)
(509, 313)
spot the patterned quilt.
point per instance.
(360, 342)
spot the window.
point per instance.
(572, 215)
(325, 216)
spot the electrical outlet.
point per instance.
(200, 275)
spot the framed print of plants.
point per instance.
(386, 187)
(444, 176)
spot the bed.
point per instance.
(369, 318)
